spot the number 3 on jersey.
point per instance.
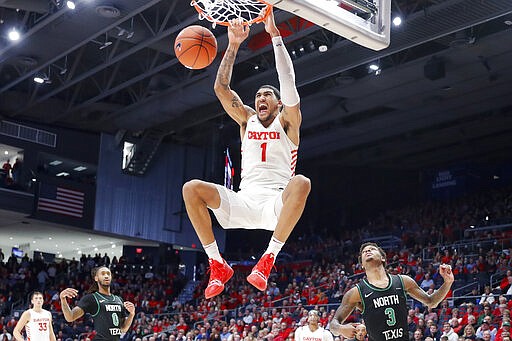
(264, 152)
(391, 321)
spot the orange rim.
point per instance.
(225, 23)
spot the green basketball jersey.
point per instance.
(385, 310)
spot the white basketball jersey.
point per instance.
(305, 334)
(269, 156)
(38, 327)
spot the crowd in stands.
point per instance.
(325, 267)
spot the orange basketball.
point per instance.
(195, 47)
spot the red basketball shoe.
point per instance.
(259, 274)
(220, 273)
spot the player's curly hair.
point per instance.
(94, 286)
(381, 251)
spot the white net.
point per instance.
(222, 11)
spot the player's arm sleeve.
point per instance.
(285, 73)
(89, 304)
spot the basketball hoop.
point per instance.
(222, 11)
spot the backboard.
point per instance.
(364, 22)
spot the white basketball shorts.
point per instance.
(249, 209)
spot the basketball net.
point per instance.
(222, 11)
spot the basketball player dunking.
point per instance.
(36, 321)
(382, 298)
(271, 196)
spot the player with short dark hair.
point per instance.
(271, 196)
(382, 298)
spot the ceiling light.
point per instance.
(38, 80)
(55, 163)
(256, 67)
(80, 168)
(6, 152)
(113, 246)
(49, 238)
(322, 48)
(397, 21)
(62, 174)
(508, 22)
(374, 67)
(71, 4)
(14, 35)
(41, 78)
(10, 238)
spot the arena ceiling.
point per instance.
(110, 67)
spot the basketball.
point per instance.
(195, 47)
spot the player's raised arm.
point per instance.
(434, 299)
(70, 314)
(291, 117)
(231, 102)
(130, 307)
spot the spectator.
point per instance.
(487, 297)
(433, 332)
(360, 334)
(427, 282)
(485, 327)
(418, 335)
(16, 171)
(503, 331)
(449, 333)
(5, 335)
(469, 333)
(469, 312)
(7, 168)
(485, 313)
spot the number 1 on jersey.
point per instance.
(264, 152)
